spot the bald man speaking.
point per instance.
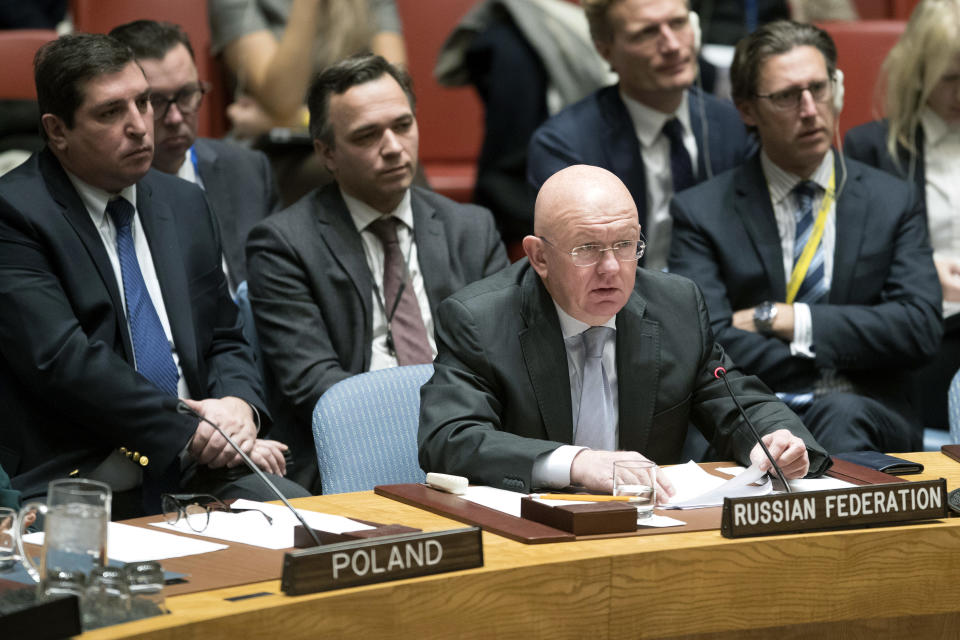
(552, 369)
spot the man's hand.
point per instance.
(949, 273)
(268, 455)
(782, 323)
(235, 417)
(787, 449)
(593, 470)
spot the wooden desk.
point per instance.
(891, 581)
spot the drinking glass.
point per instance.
(637, 479)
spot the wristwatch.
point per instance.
(763, 316)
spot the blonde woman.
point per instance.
(919, 140)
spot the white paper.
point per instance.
(695, 488)
(252, 528)
(126, 543)
(818, 484)
(659, 521)
(499, 499)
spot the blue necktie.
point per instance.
(151, 348)
(814, 286)
(595, 427)
(680, 166)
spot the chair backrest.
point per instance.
(953, 401)
(17, 48)
(249, 328)
(862, 46)
(100, 16)
(365, 429)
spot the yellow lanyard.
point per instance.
(803, 264)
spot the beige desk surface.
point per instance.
(899, 581)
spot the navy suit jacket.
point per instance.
(500, 393)
(312, 295)
(598, 131)
(882, 315)
(68, 390)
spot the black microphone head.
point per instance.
(184, 409)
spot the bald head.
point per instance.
(576, 207)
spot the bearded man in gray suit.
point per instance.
(348, 279)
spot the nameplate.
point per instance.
(849, 508)
(351, 564)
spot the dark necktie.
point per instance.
(814, 286)
(595, 418)
(151, 348)
(404, 322)
(680, 167)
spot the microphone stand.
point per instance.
(184, 409)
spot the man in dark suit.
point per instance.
(238, 181)
(114, 301)
(655, 132)
(818, 275)
(514, 401)
(348, 279)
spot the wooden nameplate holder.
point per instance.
(582, 519)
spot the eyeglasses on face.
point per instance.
(587, 255)
(195, 508)
(187, 99)
(792, 98)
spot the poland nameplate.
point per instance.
(354, 563)
(834, 509)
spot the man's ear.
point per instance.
(603, 47)
(533, 247)
(56, 131)
(326, 155)
(748, 113)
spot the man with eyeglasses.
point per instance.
(238, 181)
(653, 129)
(115, 305)
(551, 370)
(818, 274)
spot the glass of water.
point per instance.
(638, 480)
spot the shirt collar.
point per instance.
(570, 326)
(781, 183)
(648, 123)
(363, 214)
(96, 199)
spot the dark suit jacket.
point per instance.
(598, 131)
(240, 192)
(68, 391)
(312, 296)
(883, 311)
(868, 144)
(500, 393)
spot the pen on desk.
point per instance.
(583, 497)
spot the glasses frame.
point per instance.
(203, 88)
(779, 98)
(641, 247)
(185, 500)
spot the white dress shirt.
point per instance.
(780, 184)
(655, 151)
(941, 158)
(363, 215)
(552, 469)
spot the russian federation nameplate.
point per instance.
(350, 564)
(834, 509)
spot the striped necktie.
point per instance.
(814, 286)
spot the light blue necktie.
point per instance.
(595, 427)
(150, 345)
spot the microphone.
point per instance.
(720, 373)
(185, 409)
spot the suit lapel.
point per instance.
(851, 220)
(75, 212)
(432, 248)
(546, 358)
(161, 231)
(343, 241)
(623, 148)
(752, 205)
(638, 374)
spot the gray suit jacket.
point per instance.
(312, 296)
(500, 393)
(240, 192)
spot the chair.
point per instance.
(953, 401)
(249, 328)
(17, 48)
(365, 429)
